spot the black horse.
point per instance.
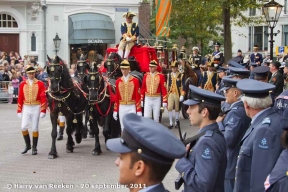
(101, 107)
(66, 97)
(112, 64)
(82, 67)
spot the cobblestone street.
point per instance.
(78, 171)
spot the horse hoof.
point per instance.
(52, 156)
(96, 153)
(60, 138)
(69, 150)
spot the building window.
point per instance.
(285, 35)
(33, 42)
(252, 11)
(257, 37)
(285, 6)
(7, 21)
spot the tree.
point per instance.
(199, 22)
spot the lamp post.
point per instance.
(272, 11)
(57, 42)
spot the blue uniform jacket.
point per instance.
(234, 126)
(218, 57)
(204, 170)
(278, 180)
(205, 78)
(134, 29)
(180, 82)
(259, 152)
(257, 58)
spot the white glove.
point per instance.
(139, 113)
(142, 104)
(164, 105)
(181, 98)
(19, 115)
(115, 116)
(42, 115)
(128, 39)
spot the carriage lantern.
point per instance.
(174, 53)
(57, 42)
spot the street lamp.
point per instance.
(272, 11)
(57, 42)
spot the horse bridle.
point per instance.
(81, 64)
(52, 68)
(92, 78)
(116, 66)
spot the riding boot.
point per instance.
(127, 52)
(27, 141)
(120, 52)
(60, 134)
(35, 141)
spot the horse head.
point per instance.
(112, 63)
(94, 82)
(82, 66)
(57, 71)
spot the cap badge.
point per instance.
(139, 151)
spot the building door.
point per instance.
(9, 42)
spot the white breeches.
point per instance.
(30, 113)
(152, 104)
(125, 109)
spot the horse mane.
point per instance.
(189, 72)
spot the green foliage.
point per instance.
(199, 22)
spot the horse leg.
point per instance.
(53, 153)
(106, 127)
(79, 129)
(69, 131)
(91, 132)
(85, 130)
(95, 128)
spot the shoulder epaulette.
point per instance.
(234, 108)
(209, 133)
(266, 121)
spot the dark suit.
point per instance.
(204, 170)
(134, 30)
(218, 57)
(233, 127)
(256, 58)
(157, 188)
(259, 152)
(278, 81)
(277, 181)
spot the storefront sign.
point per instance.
(95, 41)
(121, 9)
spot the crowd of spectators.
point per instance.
(12, 71)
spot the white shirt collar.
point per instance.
(30, 81)
(126, 78)
(258, 114)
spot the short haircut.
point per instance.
(213, 110)
(261, 78)
(258, 103)
(157, 171)
(276, 64)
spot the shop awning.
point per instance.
(91, 28)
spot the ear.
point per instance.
(49, 59)
(139, 168)
(48, 70)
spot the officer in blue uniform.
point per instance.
(203, 168)
(147, 151)
(277, 181)
(260, 146)
(218, 55)
(130, 33)
(261, 73)
(252, 67)
(239, 73)
(221, 74)
(256, 57)
(233, 125)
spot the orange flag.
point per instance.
(163, 12)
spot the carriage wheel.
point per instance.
(185, 107)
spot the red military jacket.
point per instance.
(154, 86)
(127, 93)
(32, 95)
